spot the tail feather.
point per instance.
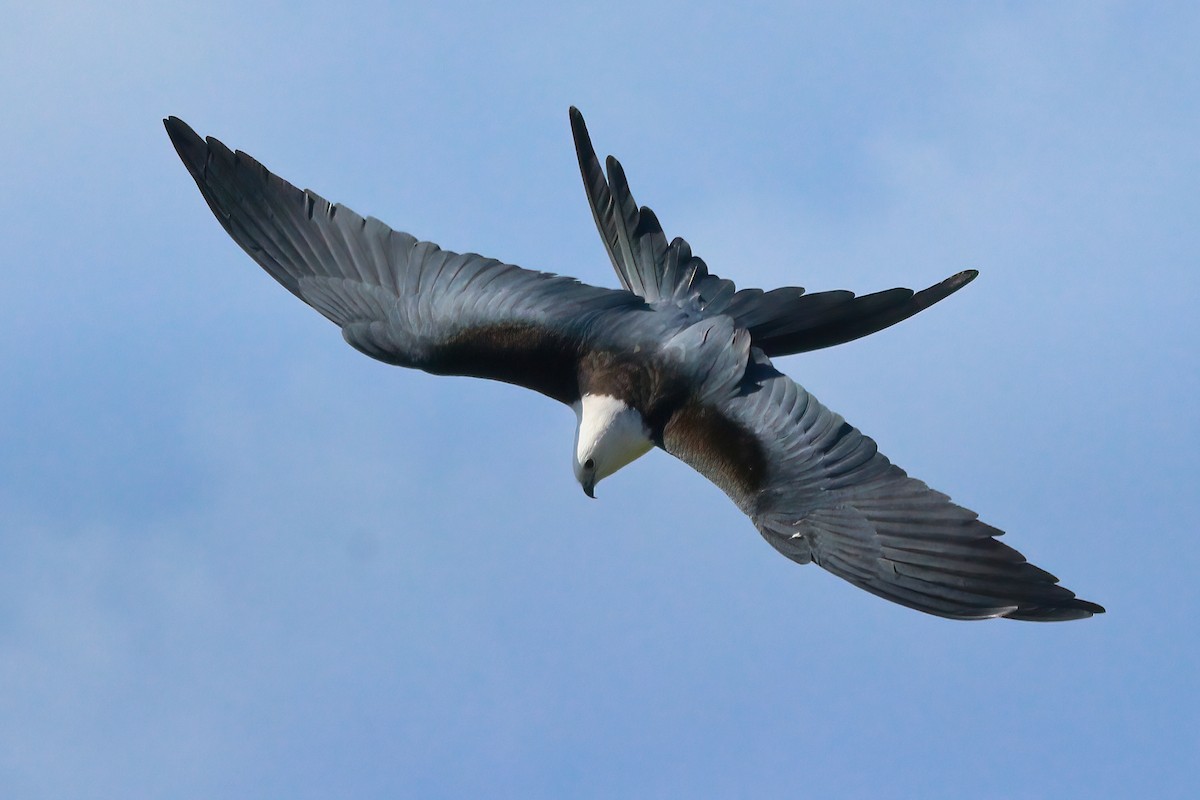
(781, 322)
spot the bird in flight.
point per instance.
(677, 359)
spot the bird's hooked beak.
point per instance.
(589, 486)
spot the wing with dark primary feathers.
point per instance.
(398, 299)
(819, 490)
(781, 322)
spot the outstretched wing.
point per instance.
(397, 299)
(781, 322)
(819, 490)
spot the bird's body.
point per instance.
(677, 359)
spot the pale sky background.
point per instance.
(238, 559)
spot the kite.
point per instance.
(677, 359)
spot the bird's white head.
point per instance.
(610, 434)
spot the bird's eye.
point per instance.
(589, 464)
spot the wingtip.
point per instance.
(188, 144)
(1092, 608)
(1068, 611)
(174, 124)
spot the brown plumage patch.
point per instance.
(525, 355)
(647, 385)
(717, 448)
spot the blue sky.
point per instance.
(238, 559)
